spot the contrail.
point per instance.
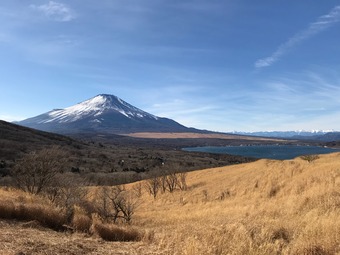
(322, 23)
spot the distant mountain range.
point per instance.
(285, 134)
(108, 114)
(317, 135)
(102, 114)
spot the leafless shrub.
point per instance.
(224, 194)
(68, 192)
(182, 181)
(53, 193)
(274, 189)
(310, 158)
(127, 206)
(281, 234)
(162, 181)
(153, 186)
(37, 171)
(103, 205)
(116, 203)
(171, 181)
(71, 196)
(166, 182)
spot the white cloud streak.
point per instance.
(322, 23)
(55, 11)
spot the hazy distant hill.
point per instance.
(317, 135)
(328, 137)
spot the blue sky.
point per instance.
(217, 65)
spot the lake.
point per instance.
(266, 151)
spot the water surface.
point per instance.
(266, 151)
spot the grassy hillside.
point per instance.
(263, 207)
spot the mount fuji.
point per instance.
(102, 114)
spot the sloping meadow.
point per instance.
(263, 207)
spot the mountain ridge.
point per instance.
(103, 113)
(109, 114)
(286, 134)
(323, 135)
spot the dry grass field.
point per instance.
(164, 135)
(263, 207)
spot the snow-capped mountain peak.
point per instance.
(285, 134)
(96, 106)
(102, 113)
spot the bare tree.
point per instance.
(103, 203)
(310, 158)
(68, 192)
(171, 182)
(137, 189)
(37, 170)
(72, 195)
(117, 203)
(182, 181)
(153, 185)
(116, 198)
(127, 205)
(162, 181)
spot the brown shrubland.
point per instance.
(264, 207)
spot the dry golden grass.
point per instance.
(264, 207)
(115, 233)
(25, 207)
(198, 135)
(15, 239)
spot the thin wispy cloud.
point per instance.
(55, 11)
(322, 23)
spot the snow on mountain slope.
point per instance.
(102, 113)
(96, 106)
(285, 134)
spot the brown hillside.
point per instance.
(263, 207)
